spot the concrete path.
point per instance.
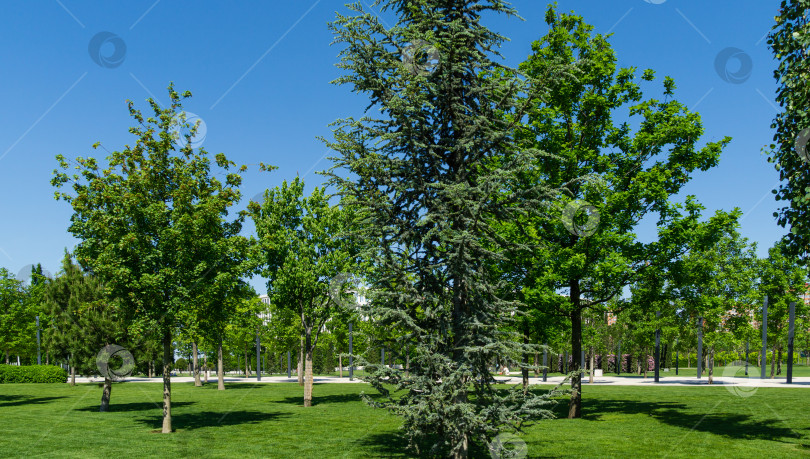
(738, 384)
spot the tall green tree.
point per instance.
(85, 322)
(716, 281)
(437, 170)
(13, 314)
(635, 153)
(789, 40)
(782, 279)
(152, 222)
(305, 243)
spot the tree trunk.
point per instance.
(590, 376)
(205, 364)
(308, 378)
(168, 357)
(72, 371)
(197, 382)
(773, 362)
(646, 358)
(47, 358)
(220, 369)
(301, 363)
(408, 363)
(7, 360)
(340, 364)
(536, 364)
(525, 369)
(246, 362)
(105, 396)
(710, 366)
(149, 369)
(779, 360)
(575, 403)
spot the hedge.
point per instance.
(32, 374)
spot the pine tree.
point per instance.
(436, 171)
(84, 324)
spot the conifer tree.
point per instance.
(436, 171)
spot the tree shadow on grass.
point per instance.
(730, 425)
(201, 419)
(324, 399)
(395, 444)
(19, 400)
(135, 406)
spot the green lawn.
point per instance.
(268, 421)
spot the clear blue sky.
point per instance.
(260, 74)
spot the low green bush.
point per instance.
(32, 374)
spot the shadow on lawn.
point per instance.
(717, 422)
(18, 400)
(323, 399)
(135, 406)
(196, 420)
(395, 444)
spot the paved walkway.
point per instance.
(740, 382)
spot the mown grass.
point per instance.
(267, 420)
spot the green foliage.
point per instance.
(789, 40)
(438, 172)
(84, 321)
(13, 374)
(305, 248)
(782, 279)
(153, 226)
(612, 175)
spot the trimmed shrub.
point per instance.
(11, 374)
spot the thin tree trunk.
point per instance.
(536, 364)
(711, 364)
(168, 356)
(301, 363)
(779, 360)
(340, 364)
(575, 403)
(309, 377)
(645, 362)
(205, 364)
(408, 363)
(197, 382)
(590, 376)
(220, 369)
(525, 369)
(773, 362)
(72, 370)
(105, 396)
(7, 360)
